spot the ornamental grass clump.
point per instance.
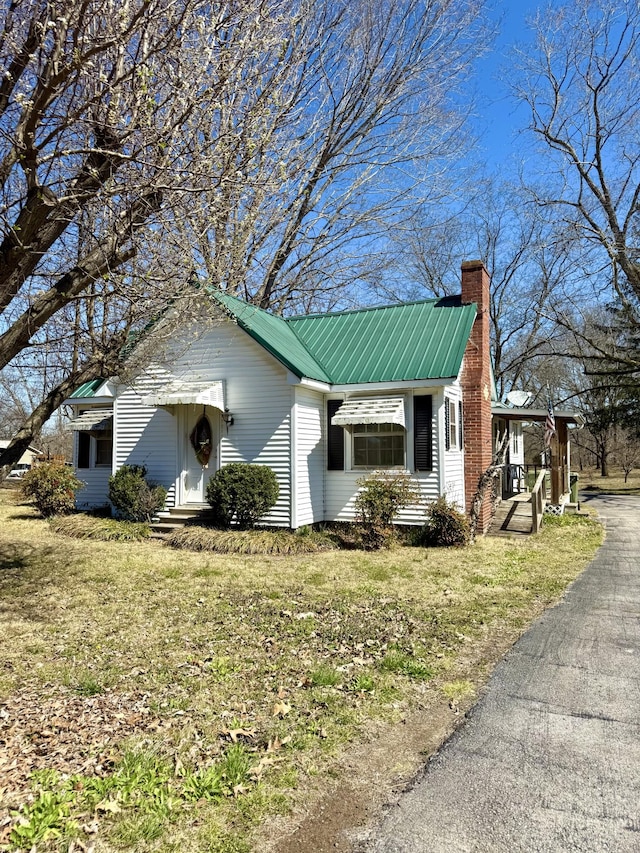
(258, 542)
(82, 526)
(52, 487)
(381, 497)
(241, 493)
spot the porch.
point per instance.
(522, 513)
(513, 517)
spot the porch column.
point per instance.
(559, 468)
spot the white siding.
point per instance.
(256, 393)
(341, 487)
(147, 436)
(96, 487)
(308, 450)
(453, 473)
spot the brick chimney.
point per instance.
(476, 388)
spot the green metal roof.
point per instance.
(394, 343)
(87, 389)
(274, 334)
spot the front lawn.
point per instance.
(162, 700)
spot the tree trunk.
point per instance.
(96, 367)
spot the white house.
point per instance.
(321, 399)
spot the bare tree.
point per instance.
(582, 84)
(369, 118)
(627, 452)
(262, 141)
(526, 262)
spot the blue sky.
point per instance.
(500, 117)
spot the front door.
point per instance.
(198, 424)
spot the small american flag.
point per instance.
(549, 425)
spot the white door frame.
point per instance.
(187, 418)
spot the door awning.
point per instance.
(93, 420)
(180, 393)
(382, 410)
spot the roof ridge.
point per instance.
(366, 308)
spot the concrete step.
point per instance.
(178, 516)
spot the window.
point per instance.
(94, 449)
(451, 424)
(104, 446)
(515, 440)
(378, 445)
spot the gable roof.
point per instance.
(87, 389)
(274, 334)
(393, 343)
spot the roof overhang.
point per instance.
(183, 393)
(379, 410)
(536, 415)
(93, 420)
(391, 387)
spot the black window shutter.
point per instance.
(335, 439)
(422, 433)
(447, 424)
(460, 429)
(84, 447)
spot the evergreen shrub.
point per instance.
(133, 498)
(241, 493)
(52, 487)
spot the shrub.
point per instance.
(445, 527)
(133, 498)
(52, 486)
(382, 495)
(242, 492)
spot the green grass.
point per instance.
(614, 484)
(173, 700)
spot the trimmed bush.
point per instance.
(52, 487)
(242, 493)
(133, 498)
(382, 495)
(446, 526)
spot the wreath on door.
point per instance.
(200, 439)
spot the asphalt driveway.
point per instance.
(549, 759)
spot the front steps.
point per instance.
(178, 516)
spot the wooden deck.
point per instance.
(513, 517)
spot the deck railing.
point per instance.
(538, 501)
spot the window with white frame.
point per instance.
(451, 424)
(515, 440)
(378, 445)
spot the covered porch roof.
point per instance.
(527, 415)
